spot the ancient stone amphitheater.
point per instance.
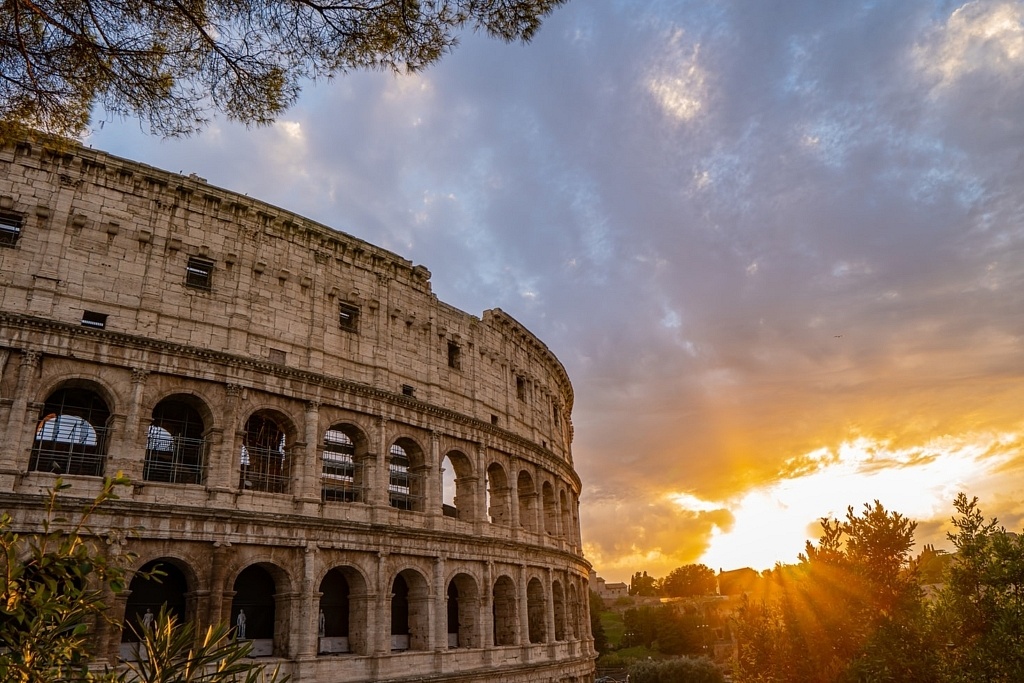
(368, 483)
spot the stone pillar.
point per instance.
(513, 501)
(222, 477)
(487, 606)
(549, 607)
(432, 473)
(11, 459)
(377, 471)
(308, 468)
(524, 609)
(124, 456)
(308, 632)
(481, 514)
(382, 636)
(221, 558)
(440, 606)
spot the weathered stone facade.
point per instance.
(382, 483)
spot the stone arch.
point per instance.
(343, 452)
(527, 494)
(505, 611)
(410, 611)
(558, 605)
(499, 508)
(406, 469)
(550, 508)
(463, 602)
(535, 611)
(73, 430)
(342, 614)
(457, 494)
(258, 610)
(265, 461)
(176, 446)
(172, 588)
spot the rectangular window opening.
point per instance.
(277, 356)
(10, 229)
(494, 419)
(408, 390)
(521, 388)
(199, 273)
(94, 319)
(348, 317)
(454, 356)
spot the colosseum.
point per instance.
(367, 483)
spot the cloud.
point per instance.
(753, 233)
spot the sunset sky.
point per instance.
(778, 246)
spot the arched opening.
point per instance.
(71, 435)
(175, 446)
(558, 604)
(574, 613)
(537, 625)
(527, 501)
(265, 465)
(550, 509)
(498, 508)
(148, 595)
(463, 612)
(410, 612)
(456, 486)
(566, 517)
(334, 615)
(405, 475)
(503, 606)
(253, 609)
(342, 454)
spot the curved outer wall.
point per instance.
(299, 416)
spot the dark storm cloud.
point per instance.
(749, 230)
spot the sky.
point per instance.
(778, 246)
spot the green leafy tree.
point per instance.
(980, 610)
(851, 610)
(643, 585)
(52, 585)
(689, 580)
(596, 627)
(699, 670)
(171, 63)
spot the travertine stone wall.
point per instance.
(130, 297)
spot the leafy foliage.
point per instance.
(596, 627)
(980, 610)
(676, 671)
(689, 580)
(641, 584)
(169, 652)
(52, 586)
(170, 63)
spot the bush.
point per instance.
(684, 670)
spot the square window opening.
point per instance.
(93, 319)
(408, 390)
(10, 229)
(199, 273)
(348, 317)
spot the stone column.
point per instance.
(308, 468)
(222, 477)
(127, 454)
(18, 424)
(440, 606)
(549, 607)
(308, 632)
(382, 637)
(524, 609)
(432, 473)
(481, 514)
(487, 606)
(221, 557)
(377, 471)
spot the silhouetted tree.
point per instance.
(170, 63)
(689, 580)
(641, 584)
(596, 627)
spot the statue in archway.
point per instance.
(240, 625)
